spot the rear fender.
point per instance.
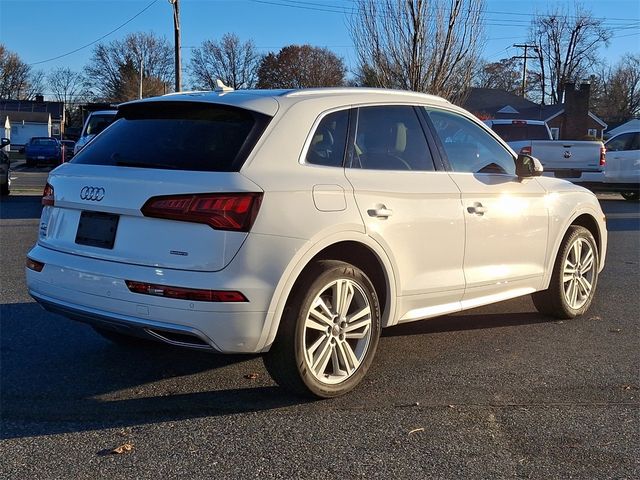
(300, 262)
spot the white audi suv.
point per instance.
(298, 223)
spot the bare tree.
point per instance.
(17, 80)
(568, 42)
(616, 90)
(113, 72)
(421, 45)
(65, 85)
(301, 66)
(504, 75)
(230, 60)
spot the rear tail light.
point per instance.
(47, 196)
(34, 265)
(185, 293)
(522, 123)
(526, 150)
(221, 211)
(603, 156)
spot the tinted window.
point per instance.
(44, 142)
(514, 132)
(329, 140)
(181, 136)
(469, 147)
(390, 138)
(619, 143)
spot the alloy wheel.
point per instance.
(337, 331)
(578, 273)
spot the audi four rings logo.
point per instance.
(92, 193)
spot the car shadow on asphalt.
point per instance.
(59, 376)
(454, 323)
(15, 207)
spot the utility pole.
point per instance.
(176, 42)
(524, 66)
(141, 73)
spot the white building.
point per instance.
(25, 125)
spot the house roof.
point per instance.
(30, 117)
(502, 104)
(56, 109)
(490, 100)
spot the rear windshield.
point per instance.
(97, 123)
(515, 132)
(177, 136)
(44, 142)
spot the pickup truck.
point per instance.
(42, 149)
(574, 160)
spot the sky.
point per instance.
(39, 30)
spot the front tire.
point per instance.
(329, 332)
(631, 196)
(574, 278)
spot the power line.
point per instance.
(97, 40)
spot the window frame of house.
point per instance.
(592, 132)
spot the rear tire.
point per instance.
(574, 278)
(124, 340)
(30, 163)
(4, 189)
(329, 332)
(631, 196)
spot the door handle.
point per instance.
(381, 211)
(477, 209)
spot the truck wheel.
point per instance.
(328, 333)
(631, 196)
(30, 163)
(574, 277)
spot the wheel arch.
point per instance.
(588, 220)
(357, 249)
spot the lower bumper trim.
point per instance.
(177, 335)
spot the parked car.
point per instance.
(42, 150)
(5, 168)
(574, 160)
(96, 122)
(622, 173)
(67, 149)
(298, 223)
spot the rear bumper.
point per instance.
(94, 291)
(169, 333)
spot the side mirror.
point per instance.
(4, 142)
(21, 150)
(528, 166)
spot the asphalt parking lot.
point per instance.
(497, 392)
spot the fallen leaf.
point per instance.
(629, 387)
(124, 448)
(451, 406)
(595, 318)
(416, 430)
(615, 330)
(251, 376)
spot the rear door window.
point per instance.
(390, 138)
(177, 136)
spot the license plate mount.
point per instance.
(97, 229)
